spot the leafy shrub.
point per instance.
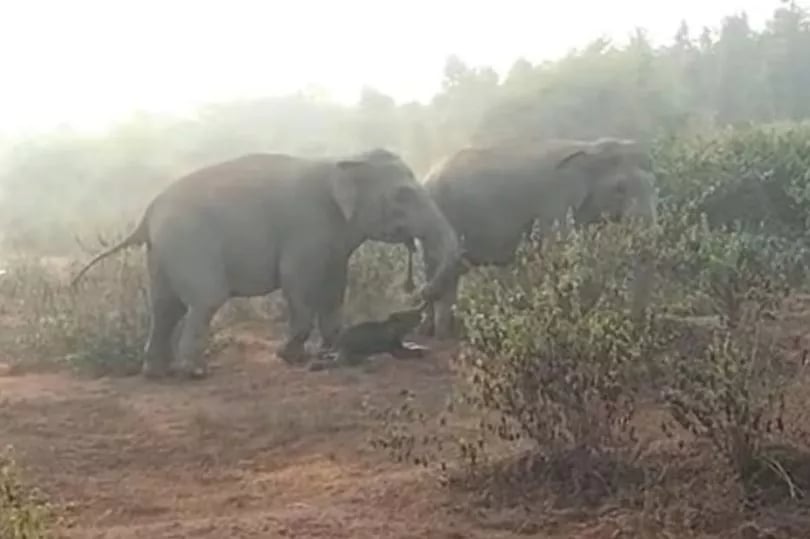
(731, 389)
(376, 277)
(23, 515)
(719, 270)
(757, 176)
(555, 370)
(555, 355)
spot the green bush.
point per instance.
(553, 352)
(377, 274)
(23, 515)
(553, 368)
(730, 389)
(756, 175)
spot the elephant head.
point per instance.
(609, 178)
(613, 179)
(380, 198)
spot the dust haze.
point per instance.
(640, 375)
(104, 102)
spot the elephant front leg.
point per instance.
(330, 312)
(301, 324)
(444, 321)
(428, 326)
(303, 274)
(330, 322)
(642, 288)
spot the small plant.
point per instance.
(731, 391)
(22, 514)
(732, 395)
(557, 357)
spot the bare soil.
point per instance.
(259, 449)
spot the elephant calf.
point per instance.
(260, 222)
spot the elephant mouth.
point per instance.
(398, 234)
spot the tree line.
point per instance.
(56, 185)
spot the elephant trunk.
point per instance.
(644, 267)
(442, 251)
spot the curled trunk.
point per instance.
(442, 254)
(644, 268)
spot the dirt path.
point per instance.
(257, 450)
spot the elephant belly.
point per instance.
(251, 273)
(485, 249)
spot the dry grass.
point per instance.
(23, 513)
(253, 413)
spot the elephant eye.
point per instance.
(405, 195)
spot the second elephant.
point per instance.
(492, 196)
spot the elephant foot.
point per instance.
(323, 365)
(155, 371)
(443, 336)
(194, 371)
(425, 329)
(326, 360)
(410, 350)
(446, 331)
(292, 354)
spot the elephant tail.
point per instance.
(139, 236)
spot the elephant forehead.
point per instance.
(380, 154)
(391, 169)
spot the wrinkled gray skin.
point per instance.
(493, 195)
(248, 226)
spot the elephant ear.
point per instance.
(606, 153)
(344, 187)
(570, 157)
(638, 153)
(623, 152)
(585, 161)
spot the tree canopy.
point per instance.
(53, 186)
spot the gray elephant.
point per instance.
(492, 196)
(260, 222)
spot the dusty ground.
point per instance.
(257, 450)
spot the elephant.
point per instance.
(263, 221)
(493, 196)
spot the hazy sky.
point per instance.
(85, 62)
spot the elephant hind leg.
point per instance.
(193, 338)
(166, 312)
